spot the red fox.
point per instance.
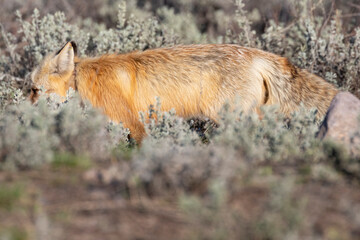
(195, 80)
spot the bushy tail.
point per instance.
(289, 87)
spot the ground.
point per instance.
(68, 203)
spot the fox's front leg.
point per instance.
(137, 132)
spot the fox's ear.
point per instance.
(64, 58)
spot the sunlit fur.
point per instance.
(194, 80)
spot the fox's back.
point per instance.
(191, 79)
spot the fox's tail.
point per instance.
(289, 86)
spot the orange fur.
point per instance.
(194, 80)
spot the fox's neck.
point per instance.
(73, 82)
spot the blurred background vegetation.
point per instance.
(67, 173)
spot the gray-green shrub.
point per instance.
(30, 135)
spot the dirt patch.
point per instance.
(60, 204)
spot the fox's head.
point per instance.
(56, 72)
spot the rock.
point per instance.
(341, 122)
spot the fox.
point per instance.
(195, 80)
